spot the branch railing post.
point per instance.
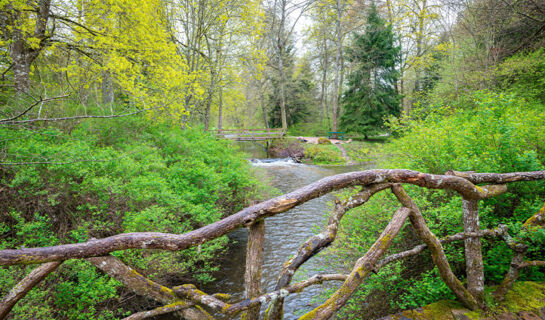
(436, 249)
(473, 252)
(254, 263)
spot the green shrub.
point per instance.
(498, 133)
(323, 140)
(105, 178)
(324, 154)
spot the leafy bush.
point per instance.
(497, 133)
(105, 178)
(323, 140)
(324, 154)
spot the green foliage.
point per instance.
(324, 154)
(323, 140)
(308, 129)
(371, 93)
(299, 91)
(360, 151)
(496, 133)
(105, 178)
(523, 74)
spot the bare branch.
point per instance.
(318, 242)
(25, 285)
(32, 106)
(169, 308)
(501, 230)
(436, 249)
(517, 262)
(196, 295)
(527, 264)
(144, 286)
(77, 117)
(361, 270)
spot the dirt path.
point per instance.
(345, 155)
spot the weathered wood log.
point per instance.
(254, 263)
(318, 242)
(174, 242)
(473, 251)
(517, 262)
(143, 286)
(25, 285)
(499, 178)
(361, 270)
(527, 264)
(191, 292)
(497, 232)
(169, 308)
(436, 249)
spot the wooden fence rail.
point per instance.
(187, 300)
(250, 134)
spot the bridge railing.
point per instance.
(187, 300)
(250, 134)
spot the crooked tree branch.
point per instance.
(174, 242)
(517, 262)
(361, 269)
(145, 287)
(319, 241)
(496, 232)
(436, 249)
(32, 106)
(24, 286)
(169, 308)
(9, 122)
(194, 294)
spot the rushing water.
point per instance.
(284, 233)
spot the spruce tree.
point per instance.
(371, 93)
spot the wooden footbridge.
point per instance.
(188, 301)
(250, 134)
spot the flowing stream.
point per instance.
(284, 233)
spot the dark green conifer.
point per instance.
(371, 93)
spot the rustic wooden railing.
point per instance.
(250, 134)
(188, 301)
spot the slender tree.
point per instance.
(371, 93)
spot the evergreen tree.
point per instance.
(300, 94)
(371, 93)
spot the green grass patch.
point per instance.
(323, 154)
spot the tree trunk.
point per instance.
(262, 103)
(107, 88)
(220, 109)
(22, 55)
(282, 93)
(337, 67)
(474, 258)
(280, 48)
(323, 93)
(21, 68)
